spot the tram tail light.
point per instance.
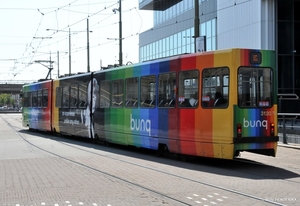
(239, 130)
(272, 129)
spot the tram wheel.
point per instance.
(101, 141)
(56, 133)
(162, 148)
(95, 139)
(237, 154)
(183, 157)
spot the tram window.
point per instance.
(74, 96)
(45, 98)
(215, 87)
(148, 91)
(58, 97)
(82, 95)
(34, 99)
(254, 87)
(131, 92)
(104, 94)
(188, 89)
(39, 98)
(117, 93)
(167, 90)
(27, 98)
(66, 97)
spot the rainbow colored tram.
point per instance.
(211, 104)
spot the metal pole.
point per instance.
(284, 131)
(69, 51)
(120, 33)
(196, 24)
(57, 64)
(50, 66)
(88, 47)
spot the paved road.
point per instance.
(40, 169)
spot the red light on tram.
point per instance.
(239, 130)
(272, 129)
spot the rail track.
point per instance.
(9, 119)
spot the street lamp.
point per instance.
(120, 32)
(88, 52)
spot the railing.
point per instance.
(284, 117)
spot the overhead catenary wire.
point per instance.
(29, 46)
(36, 45)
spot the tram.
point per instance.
(37, 105)
(211, 104)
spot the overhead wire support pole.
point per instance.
(120, 33)
(57, 64)
(69, 51)
(88, 47)
(196, 24)
(50, 69)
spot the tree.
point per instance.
(5, 99)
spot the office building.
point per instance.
(255, 24)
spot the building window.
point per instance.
(208, 29)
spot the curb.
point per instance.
(289, 145)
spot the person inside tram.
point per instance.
(219, 99)
(193, 101)
(208, 100)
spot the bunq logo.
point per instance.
(255, 123)
(141, 125)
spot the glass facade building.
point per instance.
(288, 49)
(181, 41)
(272, 24)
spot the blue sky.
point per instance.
(24, 37)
